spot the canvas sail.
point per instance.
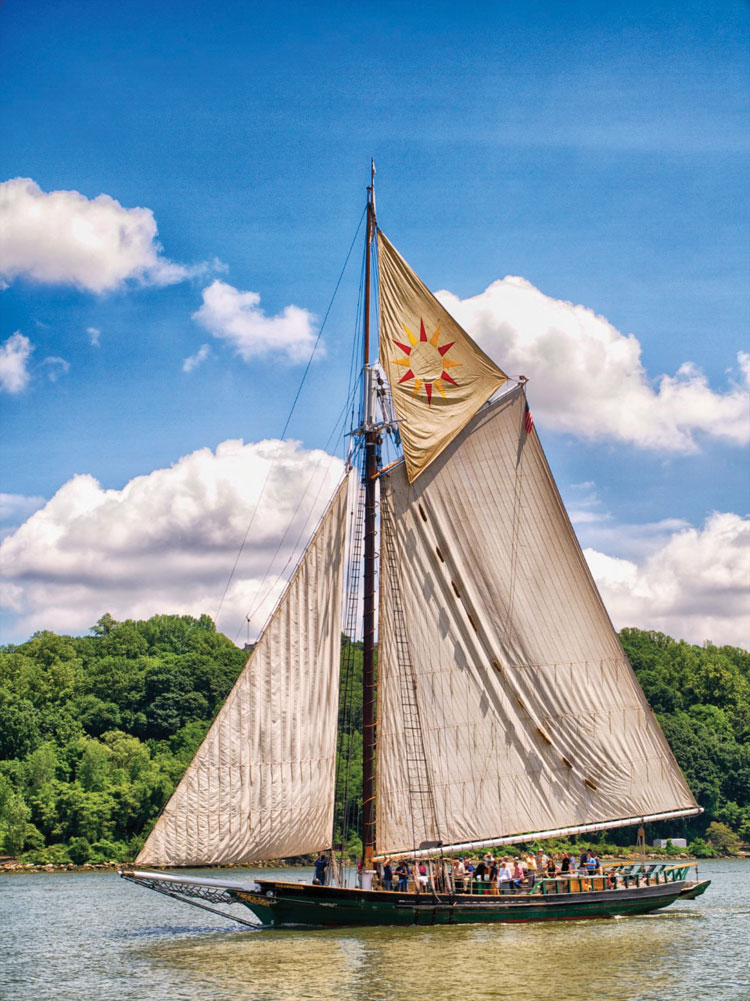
(439, 377)
(261, 785)
(526, 715)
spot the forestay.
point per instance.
(261, 785)
(530, 716)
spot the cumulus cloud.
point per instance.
(64, 238)
(14, 363)
(696, 586)
(237, 318)
(588, 379)
(168, 540)
(197, 359)
(94, 335)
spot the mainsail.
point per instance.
(261, 785)
(529, 716)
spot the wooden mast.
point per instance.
(368, 632)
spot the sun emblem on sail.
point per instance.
(426, 362)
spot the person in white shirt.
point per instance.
(504, 875)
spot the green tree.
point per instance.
(722, 837)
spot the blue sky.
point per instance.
(598, 152)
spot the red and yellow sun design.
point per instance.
(426, 362)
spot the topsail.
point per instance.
(439, 378)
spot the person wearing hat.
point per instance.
(530, 869)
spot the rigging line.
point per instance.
(304, 495)
(351, 398)
(289, 417)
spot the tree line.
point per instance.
(96, 731)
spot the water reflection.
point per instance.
(72, 936)
(568, 961)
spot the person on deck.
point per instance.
(531, 869)
(504, 877)
(592, 863)
(387, 875)
(551, 867)
(565, 864)
(422, 877)
(582, 860)
(517, 872)
(402, 871)
(321, 869)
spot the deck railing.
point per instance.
(609, 877)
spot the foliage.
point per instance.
(701, 696)
(700, 849)
(95, 732)
(722, 837)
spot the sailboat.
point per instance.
(502, 709)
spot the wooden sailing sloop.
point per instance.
(507, 711)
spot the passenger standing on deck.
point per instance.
(565, 864)
(388, 875)
(402, 871)
(517, 872)
(422, 876)
(531, 869)
(321, 867)
(582, 860)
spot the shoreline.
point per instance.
(11, 867)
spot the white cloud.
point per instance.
(197, 359)
(236, 317)
(167, 541)
(696, 586)
(64, 238)
(94, 335)
(55, 367)
(588, 379)
(14, 358)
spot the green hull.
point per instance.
(281, 904)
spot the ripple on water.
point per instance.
(91, 935)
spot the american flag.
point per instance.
(528, 420)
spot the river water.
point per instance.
(94, 937)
